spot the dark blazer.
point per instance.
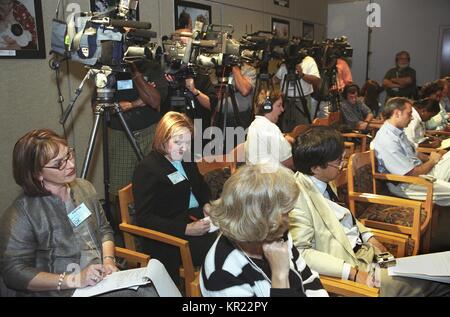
(161, 205)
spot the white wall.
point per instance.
(411, 25)
(349, 19)
(28, 97)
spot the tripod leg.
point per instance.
(299, 88)
(235, 107)
(130, 136)
(106, 173)
(88, 157)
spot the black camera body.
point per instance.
(96, 40)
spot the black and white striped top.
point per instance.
(229, 272)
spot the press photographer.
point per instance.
(190, 92)
(299, 75)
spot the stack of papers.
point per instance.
(434, 267)
(155, 273)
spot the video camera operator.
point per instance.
(199, 86)
(308, 73)
(243, 78)
(140, 93)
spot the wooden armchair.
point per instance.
(402, 217)
(130, 231)
(334, 119)
(341, 287)
(134, 259)
(429, 212)
(217, 169)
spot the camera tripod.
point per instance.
(105, 104)
(330, 76)
(182, 100)
(227, 93)
(291, 79)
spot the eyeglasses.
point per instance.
(62, 163)
(342, 162)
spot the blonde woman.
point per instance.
(171, 195)
(254, 255)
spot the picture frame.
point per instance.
(281, 28)
(195, 10)
(281, 3)
(308, 31)
(107, 5)
(22, 30)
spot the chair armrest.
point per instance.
(385, 200)
(446, 133)
(404, 179)
(354, 135)
(153, 235)
(426, 150)
(132, 256)
(347, 288)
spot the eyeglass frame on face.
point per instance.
(341, 165)
(63, 162)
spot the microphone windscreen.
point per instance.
(131, 24)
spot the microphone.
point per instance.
(205, 43)
(130, 24)
(143, 33)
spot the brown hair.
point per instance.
(31, 153)
(274, 95)
(169, 124)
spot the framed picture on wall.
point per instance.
(281, 28)
(111, 6)
(21, 29)
(196, 11)
(281, 3)
(308, 31)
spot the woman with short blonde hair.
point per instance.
(169, 125)
(254, 256)
(170, 194)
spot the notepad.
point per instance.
(434, 267)
(445, 144)
(155, 273)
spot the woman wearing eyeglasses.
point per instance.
(55, 236)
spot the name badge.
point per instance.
(176, 178)
(79, 215)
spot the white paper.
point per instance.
(445, 144)
(154, 272)
(212, 227)
(435, 266)
(161, 280)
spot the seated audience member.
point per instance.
(42, 237)
(265, 142)
(356, 115)
(437, 91)
(422, 111)
(171, 195)
(446, 95)
(329, 238)
(254, 255)
(371, 91)
(397, 155)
